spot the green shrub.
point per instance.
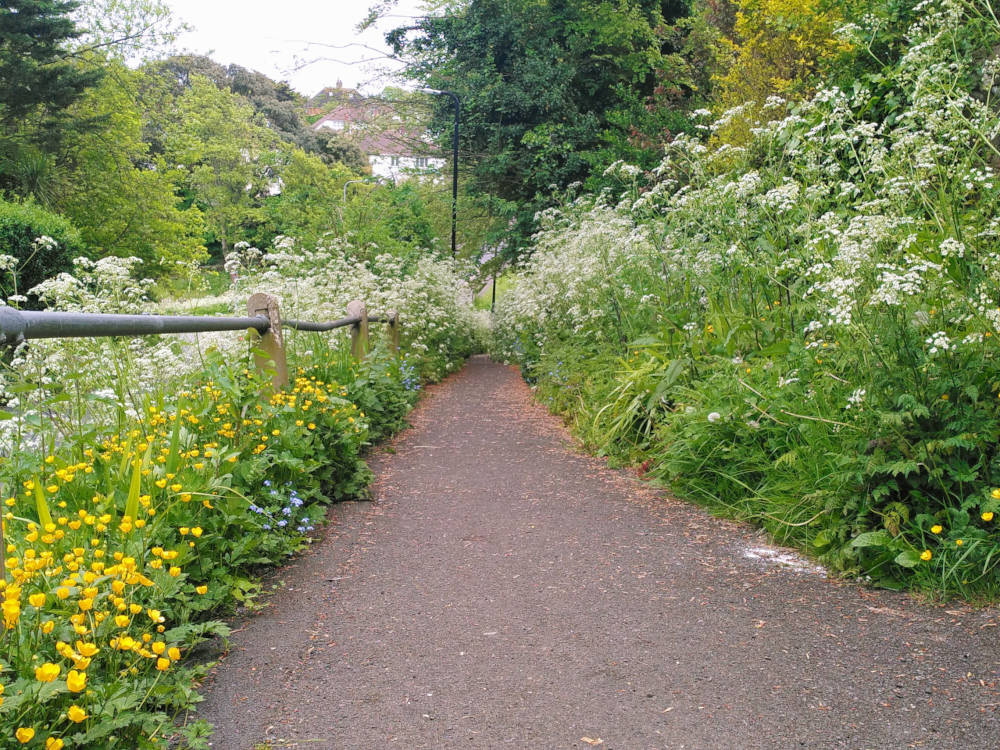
(24, 228)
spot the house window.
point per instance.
(421, 162)
(394, 161)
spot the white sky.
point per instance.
(305, 42)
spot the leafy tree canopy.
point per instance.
(542, 84)
(34, 70)
(127, 29)
(277, 104)
(121, 197)
(38, 82)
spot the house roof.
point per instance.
(373, 126)
(331, 95)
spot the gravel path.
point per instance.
(504, 591)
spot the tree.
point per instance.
(38, 83)
(334, 148)
(127, 29)
(34, 71)
(228, 156)
(777, 48)
(122, 198)
(310, 195)
(276, 103)
(540, 83)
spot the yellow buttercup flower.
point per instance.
(925, 555)
(47, 672)
(76, 714)
(936, 528)
(37, 600)
(24, 734)
(53, 743)
(987, 515)
(959, 542)
(76, 681)
(174, 653)
(163, 664)
(201, 589)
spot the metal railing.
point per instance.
(18, 326)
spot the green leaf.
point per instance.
(135, 485)
(40, 504)
(175, 439)
(822, 539)
(877, 538)
(909, 558)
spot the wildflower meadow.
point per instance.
(800, 329)
(146, 481)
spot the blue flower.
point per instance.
(282, 523)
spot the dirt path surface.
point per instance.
(504, 591)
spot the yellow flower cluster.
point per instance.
(85, 586)
(88, 572)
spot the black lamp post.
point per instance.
(454, 163)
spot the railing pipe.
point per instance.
(19, 325)
(304, 325)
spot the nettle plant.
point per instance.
(827, 292)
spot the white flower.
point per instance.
(714, 416)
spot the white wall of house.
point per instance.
(402, 167)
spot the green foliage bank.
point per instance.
(800, 328)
